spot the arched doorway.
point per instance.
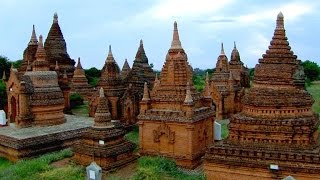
(13, 109)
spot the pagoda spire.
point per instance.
(33, 39)
(110, 57)
(146, 96)
(40, 54)
(222, 49)
(188, 99)
(55, 18)
(280, 21)
(176, 43)
(79, 66)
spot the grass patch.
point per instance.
(81, 110)
(34, 168)
(66, 173)
(133, 136)
(314, 90)
(4, 163)
(161, 168)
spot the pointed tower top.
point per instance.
(40, 50)
(55, 18)
(101, 92)
(141, 42)
(146, 96)
(110, 55)
(176, 43)
(156, 79)
(79, 66)
(56, 68)
(33, 40)
(222, 49)
(280, 21)
(234, 45)
(188, 98)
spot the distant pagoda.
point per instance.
(80, 82)
(175, 120)
(226, 86)
(275, 135)
(125, 69)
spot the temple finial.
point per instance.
(176, 43)
(141, 42)
(146, 96)
(280, 21)
(33, 40)
(79, 66)
(188, 98)
(55, 18)
(234, 45)
(222, 49)
(101, 92)
(110, 51)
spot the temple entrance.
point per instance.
(13, 109)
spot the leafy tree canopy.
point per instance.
(311, 70)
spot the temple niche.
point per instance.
(104, 142)
(275, 135)
(35, 98)
(124, 89)
(227, 84)
(80, 82)
(175, 121)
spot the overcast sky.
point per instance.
(90, 26)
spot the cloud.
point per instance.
(166, 9)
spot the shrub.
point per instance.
(76, 100)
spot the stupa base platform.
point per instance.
(18, 143)
(227, 161)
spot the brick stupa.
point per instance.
(275, 135)
(111, 81)
(35, 98)
(226, 86)
(80, 82)
(125, 69)
(175, 120)
(140, 73)
(104, 142)
(56, 49)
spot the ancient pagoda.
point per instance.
(140, 73)
(175, 120)
(125, 69)
(226, 86)
(111, 81)
(56, 49)
(35, 98)
(29, 54)
(239, 72)
(275, 135)
(80, 82)
(104, 142)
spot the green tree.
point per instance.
(4, 66)
(311, 70)
(93, 75)
(3, 94)
(17, 63)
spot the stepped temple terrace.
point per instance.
(275, 134)
(175, 121)
(224, 122)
